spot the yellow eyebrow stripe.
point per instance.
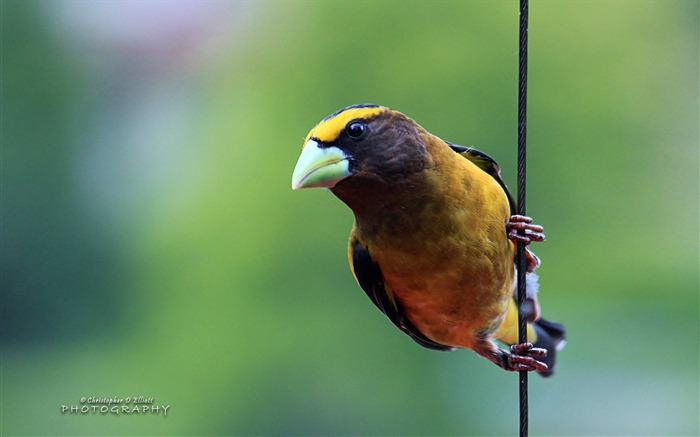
(329, 130)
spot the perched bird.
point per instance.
(435, 232)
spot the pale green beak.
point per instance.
(320, 167)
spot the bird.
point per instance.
(434, 236)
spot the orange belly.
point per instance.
(461, 294)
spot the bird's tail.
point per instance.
(550, 336)
(542, 333)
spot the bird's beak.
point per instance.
(320, 167)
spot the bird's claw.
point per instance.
(523, 357)
(530, 231)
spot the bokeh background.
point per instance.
(152, 246)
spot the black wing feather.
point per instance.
(370, 278)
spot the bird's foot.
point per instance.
(523, 357)
(523, 223)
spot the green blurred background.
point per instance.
(152, 246)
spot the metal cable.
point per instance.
(522, 165)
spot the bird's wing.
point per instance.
(487, 164)
(369, 276)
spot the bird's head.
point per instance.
(361, 147)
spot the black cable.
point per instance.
(520, 256)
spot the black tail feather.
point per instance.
(550, 336)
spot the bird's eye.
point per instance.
(356, 129)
